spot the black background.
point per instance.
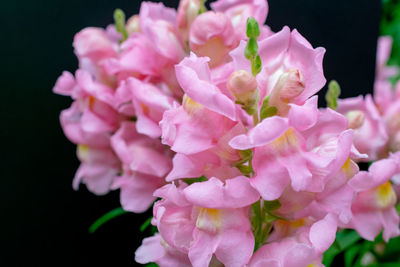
(43, 221)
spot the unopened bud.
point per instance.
(291, 84)
(242, 85)
(188, 10)
(132, 25)
(355, 118)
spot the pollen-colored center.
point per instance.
(209, 220)
(385, 195)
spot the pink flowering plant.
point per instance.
(211, 119)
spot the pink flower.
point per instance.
(375, 201)
(303, 149)
(136, 190)
(206, 227)
(188, 10)
(193, 128)
(91, 119)
(384, 49)
(135, 150)
(94, 46)
(151, 53)
(370, 134)
(288, 252)
(212, 35)
(239, 10)
(149, 103)
(98, 169)
(155, 249)
(194, 76)
(291, 68)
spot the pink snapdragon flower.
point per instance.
(375, 201)
(238, 11)
(140, 177)
(192, 221)
(303, 154)
(93, 47)
(91, 118)
(383, 72)
(153, 51)
(212, 35)
(148, 102)
(99, 167)
(155, 249)
(370, 134)
(288, 252)
(291, 68)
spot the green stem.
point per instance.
(255, 118)
(105, 218)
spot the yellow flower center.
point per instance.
(286, 143)
(385, 195)
(209, 220)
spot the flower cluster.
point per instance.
(218, 118)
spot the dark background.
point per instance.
(43, 221)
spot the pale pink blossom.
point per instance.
(291, 68)
(149, 103)
(375, 201)
(155, 249)
(98, 169)
(370, 134)
(210, 229)
(212, 35)
(239, 10)
(303, 149)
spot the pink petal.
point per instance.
(235, 193)
(193, 76)
(264, 133)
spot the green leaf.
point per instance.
(332, 94)
(245, 169)
(267, 111)
(344, 240)
(152, 264)
(190, 181)
(119, 21)
(329, 255)
(145, 225)
(272, 205)
(347, 238)
(350, 255)
(252, 28)
(246, 154)
(105, 218)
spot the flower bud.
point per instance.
(212, 35)
(188, 10)
(291, 84)
(242, 85)
(355, 118)
(132, 25)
